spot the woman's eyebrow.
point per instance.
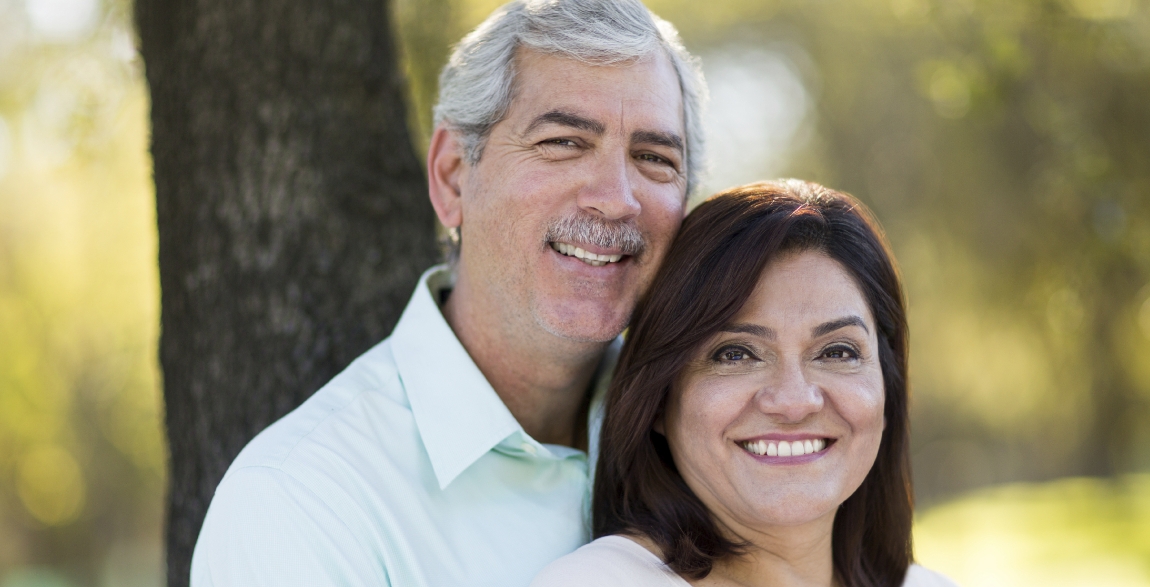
(754, 329)
(833, 325)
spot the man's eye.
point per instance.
(651, 157)
(559, 142)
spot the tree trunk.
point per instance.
(293, 217)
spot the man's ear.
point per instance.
(444, 168)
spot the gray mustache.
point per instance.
(592, 230)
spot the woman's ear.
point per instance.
(445, 165)
(657, 426)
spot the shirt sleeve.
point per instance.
(573, 572)
(265, 528)
(597, 565)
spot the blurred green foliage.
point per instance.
(81, 452)
(1003, 143)
(1071, 532)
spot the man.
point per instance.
(455, 451)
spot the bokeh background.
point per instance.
(1004, 144)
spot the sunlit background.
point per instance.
(1005, 145)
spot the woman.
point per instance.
(756, 429)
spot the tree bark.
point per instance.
(293, 217)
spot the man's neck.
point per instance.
(542, 379)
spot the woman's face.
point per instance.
(777, 418)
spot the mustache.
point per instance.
(584, 228)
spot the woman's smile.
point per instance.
(788, 450)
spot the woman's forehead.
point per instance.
(803, 289)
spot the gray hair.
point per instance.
(475, 87)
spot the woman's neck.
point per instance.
(790, 556)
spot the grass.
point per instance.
(1069, 532)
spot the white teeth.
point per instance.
(797, 448)
(589, 258)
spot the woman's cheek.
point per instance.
(861, 400)
(707, 408)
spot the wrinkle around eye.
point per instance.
(661, 172)
(742, 367)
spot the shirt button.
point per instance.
(529, 448)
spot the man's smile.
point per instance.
(595, 260)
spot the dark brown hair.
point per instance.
(709, 273)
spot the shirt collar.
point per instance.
(459, 416)
(457, 412)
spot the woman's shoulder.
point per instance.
(920, 576)
(609, 561)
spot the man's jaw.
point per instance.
(593, 259)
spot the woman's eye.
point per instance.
(734, 360)
(732, 355)
(840, 353)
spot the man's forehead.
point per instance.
(553, 89)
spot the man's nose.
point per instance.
(789, 395)
(609, 191)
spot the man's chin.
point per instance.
(583, 329)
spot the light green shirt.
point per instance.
(405, 470)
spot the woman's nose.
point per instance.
(789, 395)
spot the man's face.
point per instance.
(589, 158)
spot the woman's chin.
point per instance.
(789, 509)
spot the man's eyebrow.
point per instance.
(569, 119)
(833, 325)
(754, 329)
(654, 137)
